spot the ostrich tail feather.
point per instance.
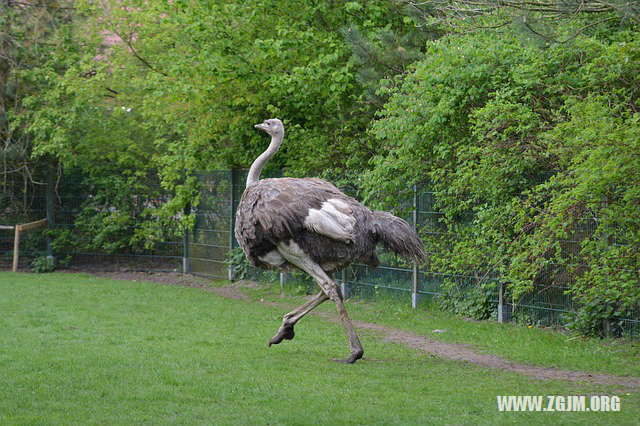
(398, 236)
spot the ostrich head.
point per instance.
(272, 126)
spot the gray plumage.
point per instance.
(311, 225)
(274, 210)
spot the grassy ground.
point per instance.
(532, 345)
(80, 349)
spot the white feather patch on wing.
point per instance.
(333, 219)
(273, 258)
(340, 204)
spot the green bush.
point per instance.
(238, 263)
(43, 264)
(534, 156)
(475, 302)
(589, 319)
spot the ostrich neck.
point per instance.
(258, 164)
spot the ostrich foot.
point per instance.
(283, 333)
(353, 358)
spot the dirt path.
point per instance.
(460, 352)
(172, 278)
(445, 350)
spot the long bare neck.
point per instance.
(258, 164)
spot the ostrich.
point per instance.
(309, 224)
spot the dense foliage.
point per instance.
(30, 35)
(528, 149)
(524, 123)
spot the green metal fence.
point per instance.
(203, 250)
(212, 236)
(78, 247)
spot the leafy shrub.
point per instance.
(43, 264)
(589, 319)
(476, 302)
(238, 263)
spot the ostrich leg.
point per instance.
(290, 319)
(294, 254)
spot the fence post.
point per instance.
(415, 295)
(16, 248)
(610, 328)
(49, 209)
(185, 242)
(344, 289)
(505, 310)
(232, 219)
(501, 302)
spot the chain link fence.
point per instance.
(95, 228)
(76, 200)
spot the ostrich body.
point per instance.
(310, 225)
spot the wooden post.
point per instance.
(16, 239)
(31, 225)
(16, 248)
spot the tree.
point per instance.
(527, 150)
(549, 20)
(29, 37)
(174, 88)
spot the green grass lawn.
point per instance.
(81, 349)
(531, 345)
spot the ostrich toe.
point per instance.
(353, 358)
(282, 334)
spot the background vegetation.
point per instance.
(523, 117)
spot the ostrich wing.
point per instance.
(334, 219)
(286, 207)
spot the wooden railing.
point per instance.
(16, 241)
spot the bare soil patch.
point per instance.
(464, 353)
(445, 350)
(173, 278)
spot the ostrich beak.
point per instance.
(260, 126)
